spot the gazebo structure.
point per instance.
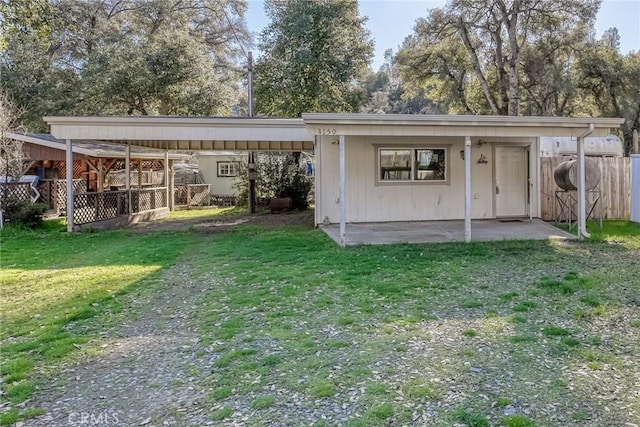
(92, 162)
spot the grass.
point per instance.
(55, 285)
(389, 331)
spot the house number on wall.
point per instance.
(325, 131)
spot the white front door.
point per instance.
(511, 181)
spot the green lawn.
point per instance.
(395, 335)
(54, 286)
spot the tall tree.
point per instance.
(612, 82)
(487, 40)
(312, 53)
(387, 92)
(129, 57)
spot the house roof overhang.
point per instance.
(92, 148)
(444, 125)
(188, 133)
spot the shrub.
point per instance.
(278, 175)
(24, 213)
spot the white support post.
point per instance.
(172, 185)
(582, 184)
(166, 177)
(467, 189)
(69, 165)
(343, 205)
(127, 175)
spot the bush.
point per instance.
(24, 213)
(278, 175)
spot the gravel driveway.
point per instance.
(146, 373)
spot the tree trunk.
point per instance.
(475, 62)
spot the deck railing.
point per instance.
(92, 207)
(192, 194)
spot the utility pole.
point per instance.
(252, 154)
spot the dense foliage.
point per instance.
(125, 57)
(21, 212)
(314, 53)
(278, 175)
(520, 57)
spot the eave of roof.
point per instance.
(444, 125)
(188, 133)
(95, 149)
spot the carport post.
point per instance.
(582, 193)
(127, 175)
(166, 177)
(343, 205)
(467, 188)
(69, 176)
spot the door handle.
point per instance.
(497, 190)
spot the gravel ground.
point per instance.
(146, 373)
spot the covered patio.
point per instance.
(382, 233)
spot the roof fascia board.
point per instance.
(457, 131)
(51, 144)
(105, 154)
(444, 120)
(184, 131)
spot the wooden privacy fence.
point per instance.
(615, 187)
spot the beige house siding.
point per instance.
(368, 200)
(220, 185)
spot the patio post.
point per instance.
(166, 177)
(172, 185)
(127, 175)
(69, 176)
(582, 193)
(467, 188)
(343, 205)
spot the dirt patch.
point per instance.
(224, 224)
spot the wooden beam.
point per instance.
(100, 175)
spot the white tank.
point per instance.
(601, 146)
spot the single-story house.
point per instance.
(379, 168)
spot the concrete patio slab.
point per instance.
(381, 233)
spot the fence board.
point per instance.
(615, 186)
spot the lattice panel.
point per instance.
(45, 187)
(153, 164)
(150, 198)
(93, 207)
(15, 191)
(192, 195)
(79, 187)
(61, 166)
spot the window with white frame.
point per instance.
(228, 169)
(423, 164)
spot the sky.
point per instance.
(390, 21)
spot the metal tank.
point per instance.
(566, 175)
